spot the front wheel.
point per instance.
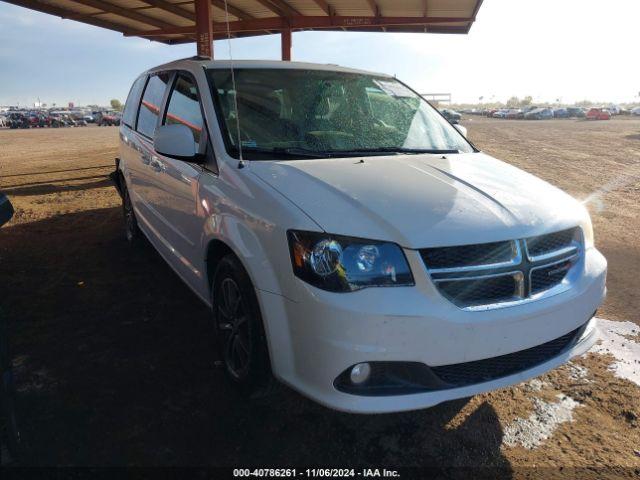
(241, 339)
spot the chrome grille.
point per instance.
(491, 275)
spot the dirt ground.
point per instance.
(114, 356)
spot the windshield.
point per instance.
(325, 113)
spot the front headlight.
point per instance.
(587, 231)
(345, 264)
(587, 228)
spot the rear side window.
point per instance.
(184, 107)
(151, 103)
(130, 108)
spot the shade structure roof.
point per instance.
(174, 21)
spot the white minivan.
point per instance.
(351, 242)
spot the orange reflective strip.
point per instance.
(178, 119)
(154, 108)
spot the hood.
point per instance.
(422, 201)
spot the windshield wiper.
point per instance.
(397, 150)
(293, 152)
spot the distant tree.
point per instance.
(526, 101)
(116, 105)
(513, 102)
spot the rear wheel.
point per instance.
(241, 338)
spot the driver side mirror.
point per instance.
(176, 141)
(6, 209)
(461, 129)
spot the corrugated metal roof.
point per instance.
(173, 21)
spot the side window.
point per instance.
(150, 105)
(130, 108)
(184, 107)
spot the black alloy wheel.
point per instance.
(241, 339)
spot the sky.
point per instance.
(567, 50)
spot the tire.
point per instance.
(242, 343)
(131, 229)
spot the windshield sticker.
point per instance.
(249, 143)
(394, 89)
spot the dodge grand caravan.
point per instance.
(351, 242)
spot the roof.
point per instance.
(173, 21)
(266, 64)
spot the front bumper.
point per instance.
(327, 332)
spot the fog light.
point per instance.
(360, 373)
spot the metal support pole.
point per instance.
(286, 45)
(204, 28)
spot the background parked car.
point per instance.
(502, 113)
(635, 111)
(451, 115)
(58, 120)
(613, 109)
(561, 113)
(18, 120)
(539, 114)
(515, 114)
(105, 119)
(598, 114)
(575, 112)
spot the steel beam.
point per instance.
(204, 28)
(171, 8)
(326, 8)
(375, 9)
(313, 23)
(123, 12)
(235, 11)
(286, 45)
(279, 7)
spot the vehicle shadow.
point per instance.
(115, 365)
(52, 186)
(47, 172)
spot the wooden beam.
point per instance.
(204, 28)
(325, 7)
(171, 8)
(235, 11)
(286, 45)
(123, 12)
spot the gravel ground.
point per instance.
(113, 354)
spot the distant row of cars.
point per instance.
(542, 113)
(42, 118)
